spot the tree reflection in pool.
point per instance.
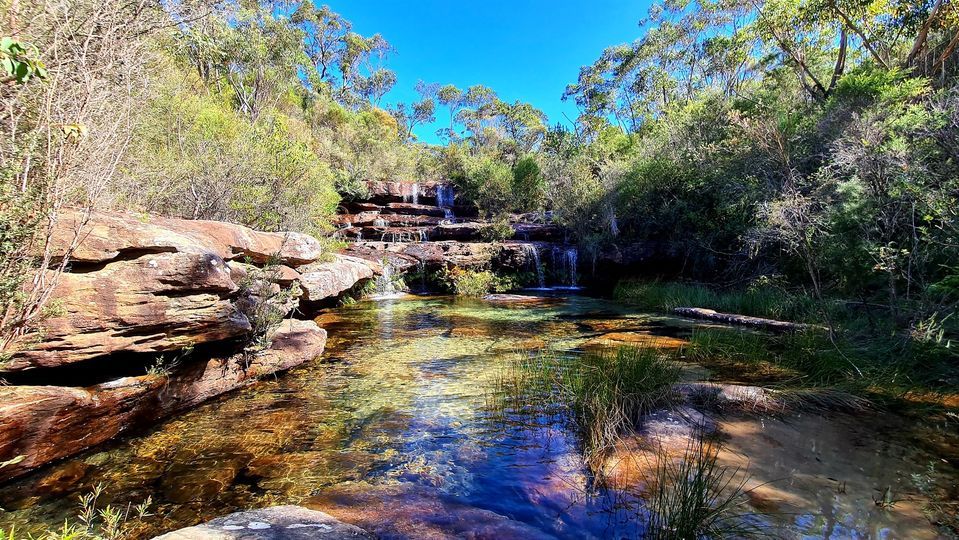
(390, 430)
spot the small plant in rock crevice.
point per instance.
(164, 365)
(264, 302)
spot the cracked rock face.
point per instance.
(154, 284)
(274, 523)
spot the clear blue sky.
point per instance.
(523, 49)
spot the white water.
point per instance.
(565, 264)
(444, 199)
(380, 222)
(416, 193)
(532, 254)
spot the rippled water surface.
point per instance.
(390, 430)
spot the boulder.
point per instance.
(274, 523)
(153, 303)
(328, 279)
(101, 237)
(46, 423)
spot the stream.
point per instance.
(392, 430)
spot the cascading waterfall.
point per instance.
(444, 199)
(416, 193)
(566, 261)
(380, 222)
(572, 260)
(532, 254)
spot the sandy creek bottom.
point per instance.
(391, 430)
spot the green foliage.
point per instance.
(19, 62)
(476, 283)
(497, 230)
(93, 521)
(264, 302)
(528, 186)
(760, 300)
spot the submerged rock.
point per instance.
(40, 424)
(410, 511)
(274, 523)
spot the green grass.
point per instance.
(811, 366)
(606, 393)
(695, 497)
(762, 301)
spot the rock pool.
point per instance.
(391, 430)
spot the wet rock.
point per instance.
(46, 423)
(539, 232)
(414, 209)
(463, 232)
(411, 512)
(328, 279)
(274, 523)
(476, 255)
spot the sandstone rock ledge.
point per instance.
(149, 285)
(274, 523)
(46, 423)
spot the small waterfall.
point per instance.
(444, 199)
(416, 192)
(532, 254)
(421, 270)
(566, 263)
(394, 236)
(572, 260)
(380, 222)
(613, 224)
(384, 281)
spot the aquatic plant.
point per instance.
(606, 392)
(696, 497)
(93, 522)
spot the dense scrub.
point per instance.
(813, 144)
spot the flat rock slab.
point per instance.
(274, 523)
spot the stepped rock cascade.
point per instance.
(421, 226)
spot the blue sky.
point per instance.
(524, 49)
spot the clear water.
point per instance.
(391, 431)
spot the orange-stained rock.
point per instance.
(106, 236)
(46, 423)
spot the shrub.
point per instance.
(475, 282)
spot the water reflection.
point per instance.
(391, 432)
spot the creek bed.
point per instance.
(392, 430)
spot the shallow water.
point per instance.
(391, 431)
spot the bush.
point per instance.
(475, 282)
(528, 187)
